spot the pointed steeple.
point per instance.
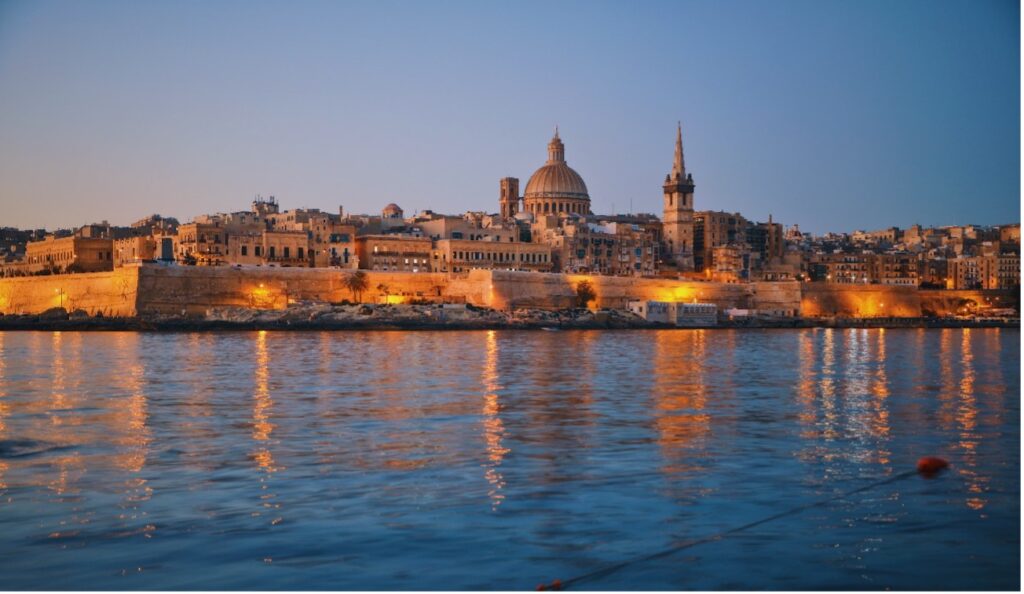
(679, 164)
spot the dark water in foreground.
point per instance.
(500, 459)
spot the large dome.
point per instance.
(556, 180)
(556, 188)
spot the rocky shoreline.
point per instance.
(322, 316)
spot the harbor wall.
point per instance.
(112, 293)
(192, 290)
(859, 301)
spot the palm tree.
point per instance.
(356, 283)
(385, 291)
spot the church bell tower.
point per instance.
(677, 221)
(508, 199)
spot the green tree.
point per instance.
(584, 293)
(356, 283)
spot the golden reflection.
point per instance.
(967, 422)
(58, 388)
(830, 429)
(494, 429)
(262, 405)
(133, 420)
(948, 384)
(69, 467)
(3, 406)
(806, 384)
(880, 427)
(262, 429)
(680, 398)
(136, 424)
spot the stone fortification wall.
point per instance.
(504, 290)
(826, 300)
(779, 298)
(194, 289)
(112, 293)
(940, 302)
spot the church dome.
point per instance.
(556, 188)
(556, 180)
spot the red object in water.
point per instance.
(930, 465)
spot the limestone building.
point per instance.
(64, 254)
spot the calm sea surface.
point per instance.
(501, 459)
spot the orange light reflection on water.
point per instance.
(680, 398)
(494, 429)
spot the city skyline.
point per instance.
(786, 111)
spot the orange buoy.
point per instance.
(930, 465)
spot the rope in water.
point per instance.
(610, 569)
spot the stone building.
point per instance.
(712, 229)
(463, 255)
(894, 269)
(65, 254)
(394, 252)
(132, 250)
(984, 272)
(732, 263)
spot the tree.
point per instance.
(584, 293)
(385, 291)
(356, 283)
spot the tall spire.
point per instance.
(679, 165)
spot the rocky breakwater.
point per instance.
(323, 316)
(414, 317)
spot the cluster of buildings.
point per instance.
(549, 227)
(957, 257)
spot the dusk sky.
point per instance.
(833, 115)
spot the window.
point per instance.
(259, 250)
(245, 250)
(272, 252)
(287, 251)
(300, 253)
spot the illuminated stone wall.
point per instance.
(504, 290)
(859, 301)
(949, 302)
(193, 290)
(112, 293)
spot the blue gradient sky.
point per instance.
(834, 115)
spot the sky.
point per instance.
(834, 115)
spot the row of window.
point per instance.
(556, 207)
(533, 257)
